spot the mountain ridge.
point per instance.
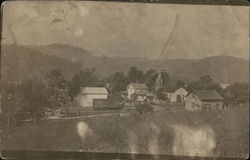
(220, 68)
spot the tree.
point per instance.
(205, 83)
(180, 83)
(150, 77)
(27, 100)
(55, 79)
(34, 97)
(56, 89)
(10, 103)
(206, 79)
(160, 95)
(117, 82)
(115, 98)
(135, 75)
(237, 93)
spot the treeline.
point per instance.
(33, 98)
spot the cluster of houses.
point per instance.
(195, 100)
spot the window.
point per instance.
(178, 98)
(206, 106)
(217, 106)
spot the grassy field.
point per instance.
(216, 133)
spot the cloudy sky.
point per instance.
(130, 29)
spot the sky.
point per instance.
(130, 29)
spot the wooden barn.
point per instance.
(203, 100)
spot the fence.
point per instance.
(13, 119)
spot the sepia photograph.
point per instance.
(124, 78)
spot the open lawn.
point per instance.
(214, 133)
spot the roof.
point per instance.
(141, 92)
(138, 85)
(207, 95)
(173, 89)
(94, 90)
(150, 95)
(224, 85)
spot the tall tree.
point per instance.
(117, 82)
(160, 94)
(206, 79)
(205, 83)
(11, 103)
(56, 89)
(150, 77)
(27, 100)
(34, 97)
(180, 83)
(55, 79)
(237, 93)
(135, 75)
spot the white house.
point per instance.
(224, 85)
(88, 94)
(140, 90)
(176, 95)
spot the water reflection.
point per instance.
(192, 141)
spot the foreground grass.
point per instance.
(152, 133)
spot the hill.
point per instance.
(71, 59)
(224, 69)
(19, 63)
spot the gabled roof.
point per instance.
(150, 95)
(138, 85)
(173, 89)
(141, 92)
(207, 95)
(94, 90)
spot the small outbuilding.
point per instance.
(87, 95)
(203, 100)
(176, 94)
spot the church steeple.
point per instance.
(159, 80)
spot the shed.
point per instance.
(176, 94)
(203, 100)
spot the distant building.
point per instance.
(87, 95)
(159, 82)
(203, 100)
(224, 85)
(139, 90)
(176, 94)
